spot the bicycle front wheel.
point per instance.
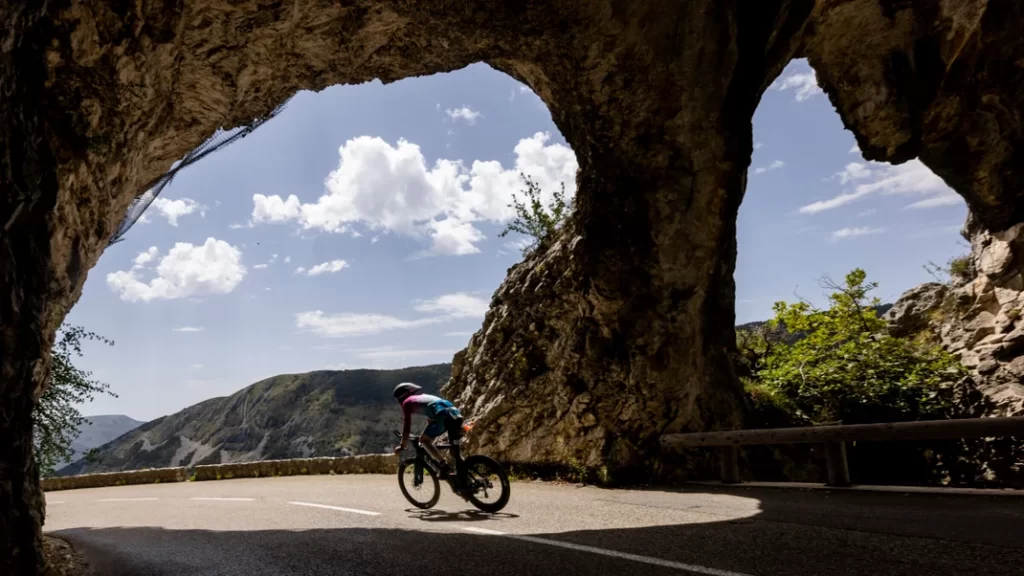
(423, 495)
(488, 487)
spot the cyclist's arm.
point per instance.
(407, 412)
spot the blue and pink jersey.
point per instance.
(433, 407)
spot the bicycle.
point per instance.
(475, 477)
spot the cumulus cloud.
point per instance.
(214, 267)
(188, 329)
(909, 179)
(274, 209)
(855, 149)
(854, 232)
(174, 209)
(259, 266)
(457, 305)
(773, 166)
(465, 113)
(326, 268)
(392, 189)
(804, 83)
(146, 257)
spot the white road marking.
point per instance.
(339, 508)
(613, 553)
(222, 499)
(482, 531)
(127, 499)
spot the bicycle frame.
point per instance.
(423, 458)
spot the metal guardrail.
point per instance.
(834, 438)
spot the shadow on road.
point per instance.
(786, 534)
(470, 515)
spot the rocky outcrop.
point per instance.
(978, 316)
(656, 98)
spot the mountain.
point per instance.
(322, 413)
(98, 430)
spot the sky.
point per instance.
(359, 229)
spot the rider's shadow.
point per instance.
(461, 516)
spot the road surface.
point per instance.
(335, 525)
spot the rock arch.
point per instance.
(655, 97)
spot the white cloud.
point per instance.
(214, 267)
(519, 245)
(454, 238)
(854, 232)
(287, 259)
(188, 329)
(274, 209)
(773, 166)
(259, 266)
(456, 305)
(347, 324)
(465, 113)
(853, 171)
(866, 213)
(805, 84)
(273, 258)
(300, 270)
(174, 209)
(356, 234)
(391, 188)
(855, 149)
(327, 268)
(757, 145)
(374, 240)
(146, 257)
(945, 199)
(910, 178)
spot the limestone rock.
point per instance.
(656, 98)
(981, 319)
(912, 312)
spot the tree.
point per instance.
(57, 418)
(846, 368)
(535, 220)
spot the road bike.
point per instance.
(477, 479)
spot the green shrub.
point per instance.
(846, 368)
(536, 220)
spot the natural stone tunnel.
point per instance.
(624, 327)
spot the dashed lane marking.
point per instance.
(127, 499)
(339, 508)
(612, 553)
(219, 499)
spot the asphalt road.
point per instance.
(334, 525)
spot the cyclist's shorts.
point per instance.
(441, 412)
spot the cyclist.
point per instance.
(441, 415)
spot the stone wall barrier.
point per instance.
(363, 464)
(149, 476)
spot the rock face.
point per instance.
(656, 98)
(979, 316)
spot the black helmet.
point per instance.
(405, 389)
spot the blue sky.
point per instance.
(359, 228)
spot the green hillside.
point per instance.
(323, 413)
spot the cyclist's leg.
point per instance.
(433, 429)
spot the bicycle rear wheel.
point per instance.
(424, 495)
(488, 488)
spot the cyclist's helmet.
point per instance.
(405, 389)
